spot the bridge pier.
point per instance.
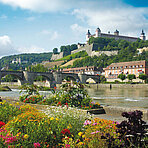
(57, 77)
(28, 77)
(82, 77)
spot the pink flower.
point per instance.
(87, 122)
(94, 124)
(67, 146)
(36, 145)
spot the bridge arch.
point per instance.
(68, 78)
(92, 79)
(44, 79)
(15, 76)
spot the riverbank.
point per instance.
(95, 86)
(111, 112)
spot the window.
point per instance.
(141, 65)
(117, 67)
(110, 67)
(125, 67)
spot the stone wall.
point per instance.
(88, 48)
(108, 53)
(57, 56)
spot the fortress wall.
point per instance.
(57, 56)
(117, 37)
(88, 48)
(108, 53)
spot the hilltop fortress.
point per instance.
(116, 35)
(92, 49)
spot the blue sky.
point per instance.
(34, 26)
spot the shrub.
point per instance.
(7, 111)
(31, 98)
(133, 130)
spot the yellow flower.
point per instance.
(1, 102)
(18, 134)
(80, 143)
(80, 133)
(10, 104)
(26, 136)
(57, 119)
(83, 136)
(51, 118)
(17, 103)
(69, 126)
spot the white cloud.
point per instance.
(46, 32)
(128, 20)
(31, 18)
(53, 35)
(78, 29)
(3, 16)
(31, 49)
(6, 46)
(41, 5)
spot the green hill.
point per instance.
(26, 60)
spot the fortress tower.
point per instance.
(88, 35)
(98, 32)
(142, 36)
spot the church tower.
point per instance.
(98, 32)
(142, 36)
(88, 35)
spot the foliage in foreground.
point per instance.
(68, 128)
(72, 94)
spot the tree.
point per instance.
(143, 77)
(131, 77)
(55, 50)
(122, 77)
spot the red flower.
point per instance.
(1, 123)
(24, 101)
(66, 103)
(90, 106)
(59, 103)
(55, 87)
(65, 131)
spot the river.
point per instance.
(121, 97)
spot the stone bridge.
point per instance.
(53, 77)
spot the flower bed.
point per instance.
(62, 127)
(71, 94)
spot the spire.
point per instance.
(142, 36)
(142, 33)
(88, 33)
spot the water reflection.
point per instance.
(124, 97)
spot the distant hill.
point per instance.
(26, 60)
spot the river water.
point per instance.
(121, 97)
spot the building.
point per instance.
(142, 49)
(116, 35)
(134, 67)
(92, 70)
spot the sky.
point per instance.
(36, 26)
